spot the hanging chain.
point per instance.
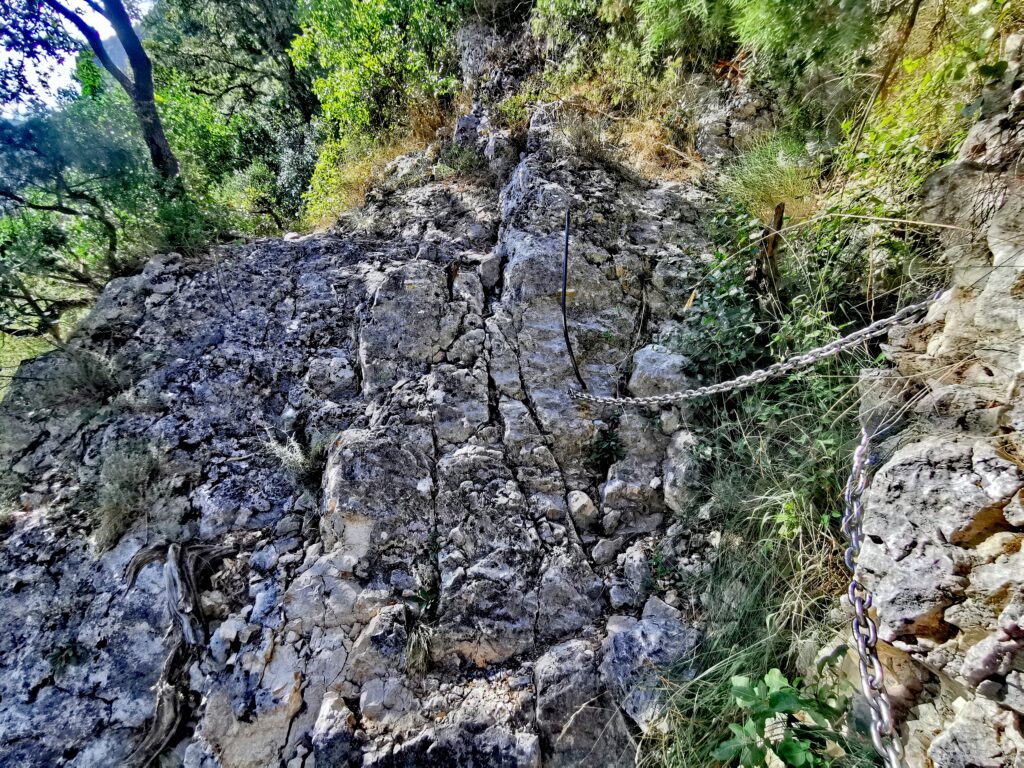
(797, 362)
(884, 735)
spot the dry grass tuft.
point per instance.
(345, 175)
(125, 491)
(304, 463)
(637, 147)
(417, 649)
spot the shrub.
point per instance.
(774, 170)
(84, 378)
(374, 57)
(465, 161)
(124, 492)
(6, 519)
(796, 724)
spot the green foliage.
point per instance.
(373, 58)
(206, 141)
(928, 109)
(775, 459)
(720, 331)
(88, 75)
(63, 656)
(790, 35)
(514, 110)
(464, 161)
(774, 170)
(790, 32)
(234, 52)
(607, 448)
(343, 173)
(771, 707)
(695, 28)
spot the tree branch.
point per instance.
(141, 66)
(95, 42)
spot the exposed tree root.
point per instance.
(183, 567)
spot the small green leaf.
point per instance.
(787, 700)
(794, 752)
(727, 750)
(776, 680)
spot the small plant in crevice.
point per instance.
(125, 490)
(6, 522)
(421, 616)
(8, 504)
(417, 649)
(514, 111)
(463, 161)
(62, 656)
(304, 462)
(426, 600)
(607, 448)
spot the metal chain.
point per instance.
(877, 328)
(884, 735)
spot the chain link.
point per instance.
(884, 735)
(877, 328)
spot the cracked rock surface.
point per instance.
(459, 585)
(943, 520)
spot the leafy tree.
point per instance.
(76, 197)
(234, 52)
(38, 33)
(372, 57)
(239, 113)
(37, 288)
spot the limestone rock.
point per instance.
(428, 589)
(631, 652)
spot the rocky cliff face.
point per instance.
(460, 578)
(463, 587)
(944, 519)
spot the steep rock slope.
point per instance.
(462, 586)
(944, 520)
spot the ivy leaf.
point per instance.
(795, 752)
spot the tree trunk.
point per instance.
(139, 87)
(160, 153)
(142, 93)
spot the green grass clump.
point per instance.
(774, 170)
(777, 462)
